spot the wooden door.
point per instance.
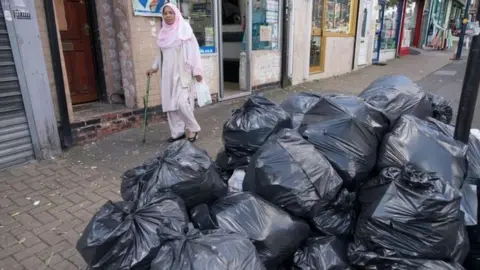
(77, 51)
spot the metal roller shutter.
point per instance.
(15, 141)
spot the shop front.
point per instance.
(411, 25)
(435, 31)
(107, 46)
(246, 54)
(385, 44)
(325, 47)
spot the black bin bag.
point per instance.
(473, 158)
(325, 253)
(184, 169)
(423, 144)
(408, 213)
(472, 262)
(396, 95)
(274, 233)
(347, 131)
(473, 151)
(442, 108)
(124, 235)
(212, 250)
(429, 145)
(227, 164)
(376, 262)
(249, 127)
(297, 105)
(290, 172)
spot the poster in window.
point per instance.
(209, 46)
(265, 33)
(150, 8)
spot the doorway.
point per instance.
(234, 47)
(364, 33)
(411, 25)
(75, 26)
(377, 40)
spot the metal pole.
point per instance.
(285, 9)
(464, 29)
(471, 82)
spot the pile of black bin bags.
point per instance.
(331, 182)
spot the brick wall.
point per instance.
(143, 33)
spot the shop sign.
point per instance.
(150, 8)
(207, 49)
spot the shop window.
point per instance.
(389, 42)
(265, 26)
(364, 22)
(339, 17)
(200, 14)
(316, 57)
(329, 18)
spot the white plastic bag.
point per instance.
(235, 183)
(203, 94)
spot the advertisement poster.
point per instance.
(265, 33)
(150, 8)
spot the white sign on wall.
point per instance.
(151, 8)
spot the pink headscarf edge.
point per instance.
(184, 33)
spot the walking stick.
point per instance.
(145, 114)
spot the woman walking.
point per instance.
(181, 66)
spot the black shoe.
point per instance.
(171, 140)
(194, 138)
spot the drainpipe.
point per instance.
(307, 36)
(65, 130)
(290, 39)
(400, 21)
(286, 11)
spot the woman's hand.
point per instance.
(199, 78)
(152, 71)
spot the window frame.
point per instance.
(319, 33)
(352, 22)
(324, 34)
(213, 16)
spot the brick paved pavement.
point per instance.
(45, 206)
(43, 210)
